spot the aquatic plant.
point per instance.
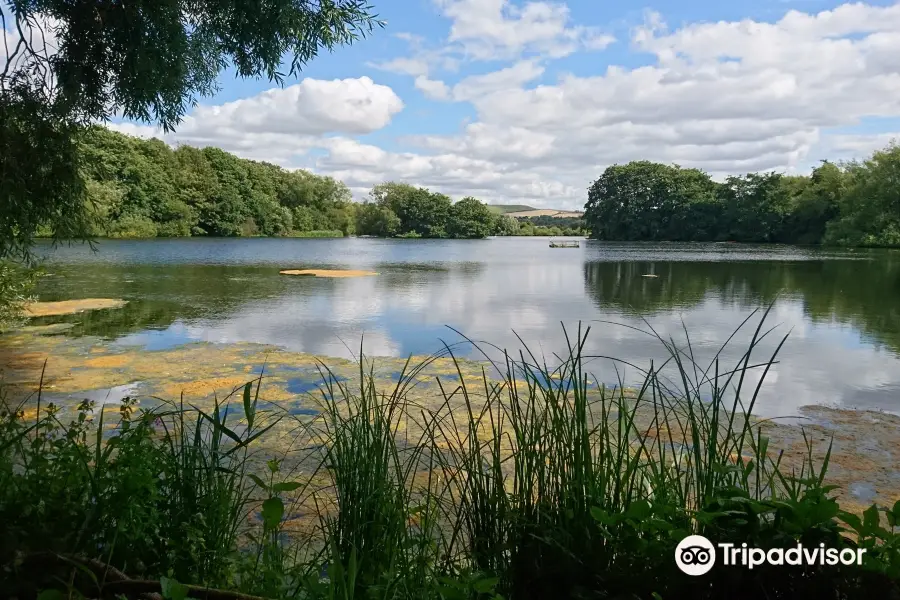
(529, 482)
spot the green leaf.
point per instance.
(216, 422)
(449, 593)
(661, 524)
(172, 590)
(287, 486)
(253, 438)
(893, 514)
(639, 509)
(602, 517)
(852, 520)
(249, 405)
(272, 511)
(484, 586)
(871, 519)
(259, 482)
(51, 595)
(825, 511)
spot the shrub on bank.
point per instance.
(530, 485)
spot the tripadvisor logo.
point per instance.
(696, 555)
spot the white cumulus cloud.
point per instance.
(280, 123)
(728, 97)
(493, 29)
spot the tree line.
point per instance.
(402, 210)
(144, 188)
(855, 203)
(138, 188)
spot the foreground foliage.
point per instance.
(531, 485)
(851, 204)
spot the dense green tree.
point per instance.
(855, 204)
(755, 207)
(304, 218)
(815, 201)
(342, 217)
(148, 61)
(870, 206)
(647, 201)
(143, 188)
(378, 220)
(696, 210)
(196, 183)
(548, 221)
(506, 225)
(422, 213)
(470, 219)
(404, 210)
(226, 211)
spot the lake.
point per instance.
(841, 308)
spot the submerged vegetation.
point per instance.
(849, 204)
(530, 483)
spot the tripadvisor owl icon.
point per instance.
(695, 555)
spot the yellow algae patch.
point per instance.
(274, 393)
(110, 361)
(23, 361)
(204, 387)
(70, 307)
(328, 272)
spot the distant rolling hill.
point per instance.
(505, 209)
(520, 210)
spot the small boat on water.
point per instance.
(555, 244)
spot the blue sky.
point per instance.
(527, 102)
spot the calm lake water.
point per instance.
(841, 309)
